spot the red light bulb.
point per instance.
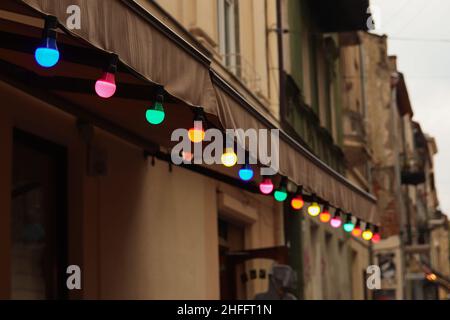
(376, 235)
(376, 238)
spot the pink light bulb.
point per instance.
(266, 186)
(105, 87)
(336, 222)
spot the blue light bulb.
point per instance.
(47, 55)
(246, 173)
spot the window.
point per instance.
(228, 28)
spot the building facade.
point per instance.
(387, 152)
(87, 182)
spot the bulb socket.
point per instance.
(50, 26)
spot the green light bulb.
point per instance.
(348, 227)
(155, 115)
(280, 195)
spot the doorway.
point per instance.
(38, 219)
(232, 275)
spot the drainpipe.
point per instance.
(364, 104)
(282, 75)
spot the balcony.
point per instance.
(413, 171)
(302, 123)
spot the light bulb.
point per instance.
(376, 238)
(297, 202)
(197, 134)
(336, 222)
(314, 209)
(348, 225)
(105, 87)
(376, 235)
(280, 195)
(356, 232)
(266, 186)
(367, 234)
(155, 114)
(229, 158)
(47, 54)
(325, 216)
(187, 156)
(246, 173)
(431, 277)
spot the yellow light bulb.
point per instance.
(229, 158)
(196, 135)
(367, 235)
(314, 209)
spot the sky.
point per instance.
(419, 35)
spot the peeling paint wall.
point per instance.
(384, 133)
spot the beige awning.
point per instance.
(159, 55)
(116, 27)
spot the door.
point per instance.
(38, 219)
(232, 275)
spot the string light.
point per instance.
(266, 186)
(431, 277)
(246, 172)
(187, 156)
(367, 234)
(325, 215)
(47, 54)
(156, 114)
(314, 208)
(229, 157)
(376, 235)
(297, 201)
(197, 133)
(336, 221)
(348, 225)
(356, 232)
(281, 193)
(105, 87)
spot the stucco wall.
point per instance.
(158, 230)
(258, 47)
(326, 259)
(439, 252)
